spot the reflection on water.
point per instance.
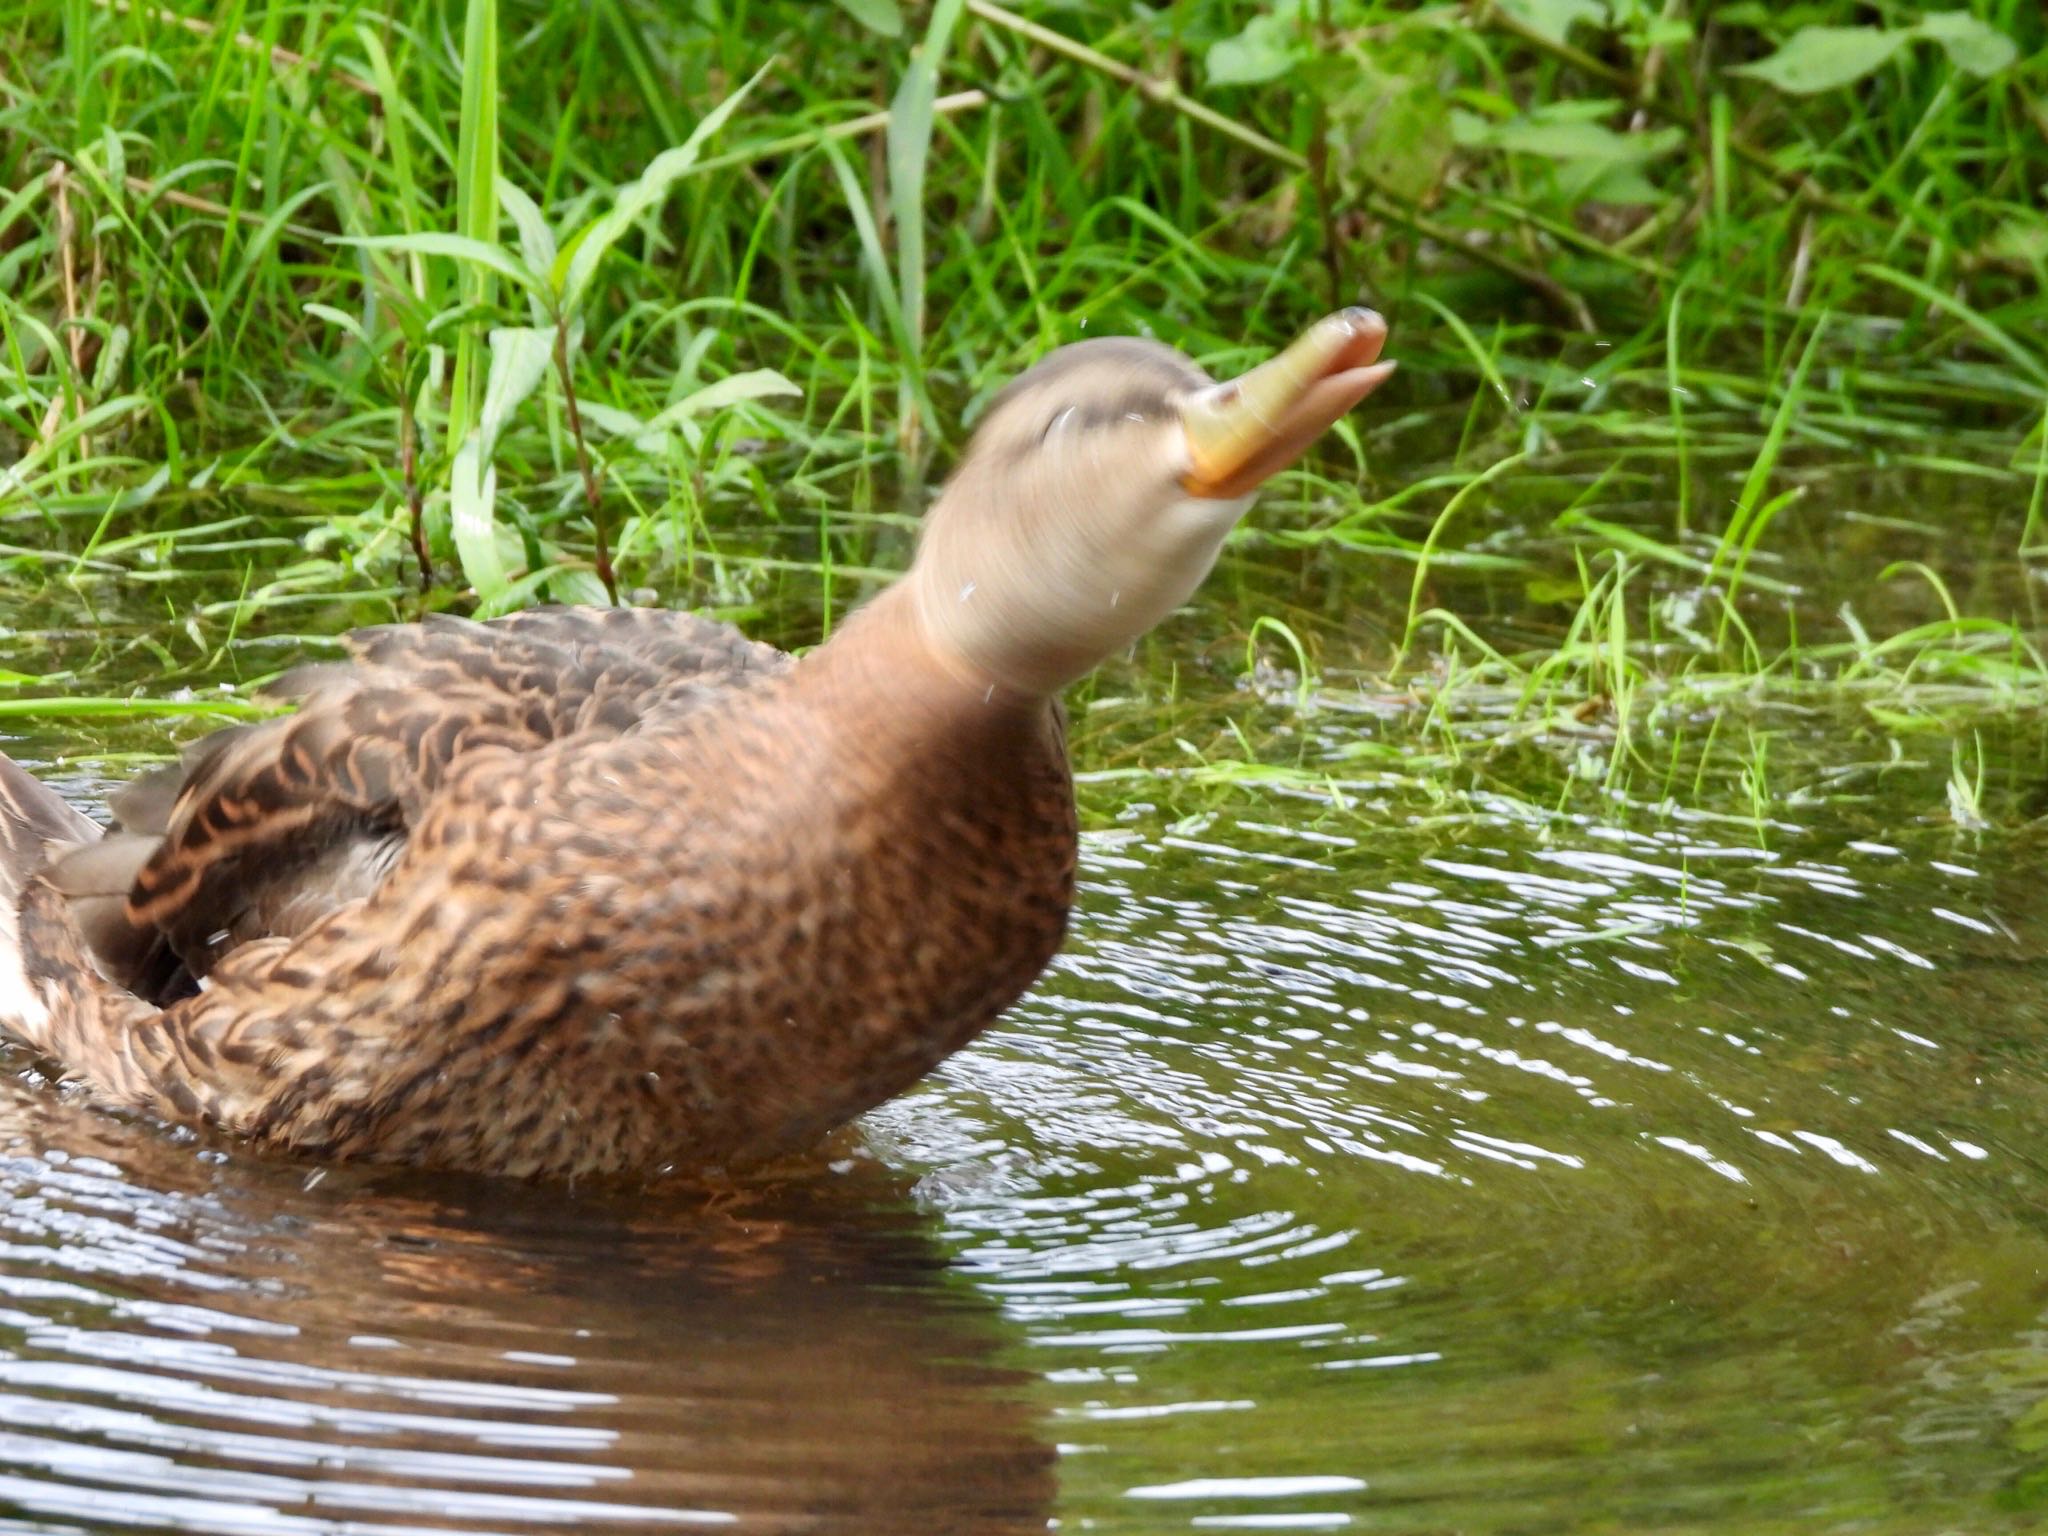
(1523, 1180)
(1343, 1176)
(207, 1345)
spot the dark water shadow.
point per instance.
(199, 1341)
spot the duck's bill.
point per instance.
(1243, 432)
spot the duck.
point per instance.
(582, 892)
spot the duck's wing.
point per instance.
(262, 830)
(564, 671)
(36, 825)
(35, 822)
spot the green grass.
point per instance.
(1690, 359)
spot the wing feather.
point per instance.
(261, 830)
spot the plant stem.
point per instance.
(408, 465)
(1323, 35)
(74, 336)
(149, 189)
(602, 557)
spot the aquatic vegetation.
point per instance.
(1552, 1034)
(1699, 313)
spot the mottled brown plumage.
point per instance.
(588, 891)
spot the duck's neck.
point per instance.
(887, 668)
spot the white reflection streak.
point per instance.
(1694, 1150)
(1246, 1488)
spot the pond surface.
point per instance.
(1478, 1178)
(1365, 1164)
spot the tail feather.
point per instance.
(35, 821)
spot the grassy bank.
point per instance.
(1723, 329)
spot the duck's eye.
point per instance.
(1060, 422)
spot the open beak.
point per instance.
(1243, 432)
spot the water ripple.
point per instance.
(1495, 1178)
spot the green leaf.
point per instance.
(882, 16)
(1622, 185)
(472, 502)
(1594, 164)
(440, 323)
(574, 267)
(1268, 47)
(517, 593)
(475, 253)
(754, 384)
(561, 584)
(651, 437)
(609, 419)
(1825, 59)
(1972, 45)
(397, 139)
(876, 264)
(519, 359)
(1671, 33)
(113, 357)
(337, 318)
(1936, 298)
(15, 478)
(1387, 131)
(1580, 109)
(476, 197)
(116, 160)
(909, 142)
(1555, 19)
(1582, 141)
(19, 202)
(2019, 239)
(536, 240)
(579, 588)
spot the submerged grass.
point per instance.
(1708, 318)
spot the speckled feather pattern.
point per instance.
(582, 892)
(570, 893)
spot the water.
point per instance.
(1377, 1165)
(1343, 1176)
(1639, 1182)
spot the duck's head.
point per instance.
(1099, 487)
